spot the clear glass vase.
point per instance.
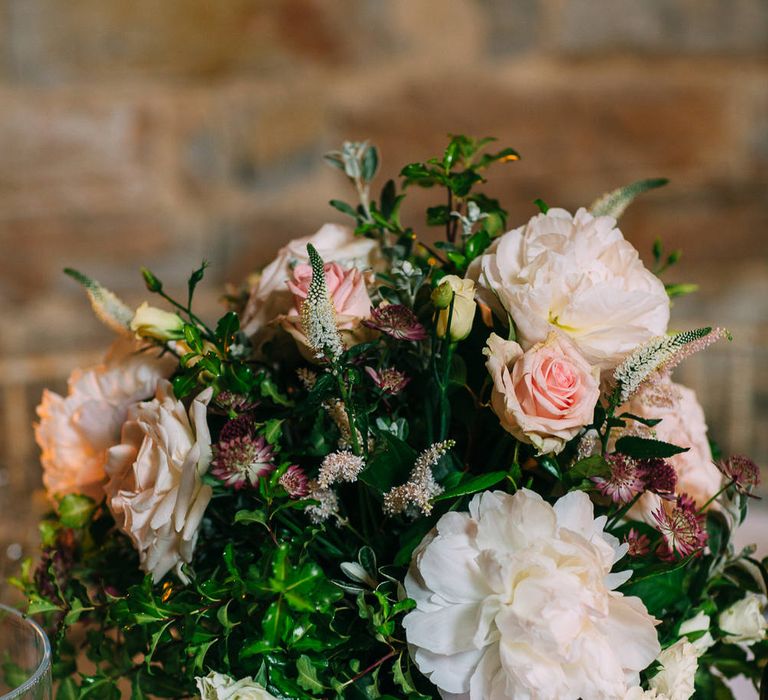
(25, 658)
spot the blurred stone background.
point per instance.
(167, 132)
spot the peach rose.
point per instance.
(271, 298)
(349, 295)
(155, 492)
(75, 431)
(544, 396)
(683, 424)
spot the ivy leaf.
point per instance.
(473, 485)
(307, 676)
(645, 448)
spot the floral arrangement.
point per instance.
(396, 469)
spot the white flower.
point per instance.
(76, 430)
(698, 623)
(578, 274)
(270, 296)
(154, 489)
(217, 686)
(745, 620)
(515, 600)
(151, 322)
(637, 693)
(678, 669)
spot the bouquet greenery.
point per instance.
(396, 469)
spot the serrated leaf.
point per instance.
(614, 203)
(646, 448)
(307, 676)
(109, 308)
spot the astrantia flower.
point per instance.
(295, 482)
(397, 321)
(389, 380)
(678, 669)
(241, 457)
(217, 686)
(578, 274)
(155, 491)
(233, 403)
(741, 471)
(638, 545)
(682, 528)
(625, 481)
(515, 599)
(660, 477)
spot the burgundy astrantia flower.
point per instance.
(638, 544)
(682, 528)
(389, 380)
(241, 456)
(397, 321)
(295, 482)
(741, 471)
(660, 477)
(625, 481)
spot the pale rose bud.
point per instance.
(217, 686)
(151, 322)
(462, 292)
(745, 620)
(698, 623)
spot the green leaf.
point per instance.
(370, 164)
(473, 485)
(251, 516)
(542, 205)
(390, 465)
(75, 511)
(307, 676)
(476, 244)
(650, 422)
(614, 203)
(109, 309)
(438, 216)
(184, 384)
(68, 690)
(589, 467)
(227, 327)
(273, 430)
(550, 465)
(661, 591)
(645, 448)
(343, 207)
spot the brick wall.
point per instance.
(165, 132)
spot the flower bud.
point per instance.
(151, 322)
(153, 284)
(462, 293)
(744, 622)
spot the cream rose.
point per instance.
(577, 274)
(270, 296)
(675, 680)
(744, 622)
(462, 293)
(154, 489)
(75, 431)
(698, 623)
(682, 423)
(349, 295)
(217, 686)
(516, 599)
(544, 396)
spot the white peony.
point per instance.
(154, 489)
(698, 623)
(637, 693)
(217, 686)
(270, 296)
(745, 620)
(678, 668)
(75, 431)
(577, 274)
(515, 600)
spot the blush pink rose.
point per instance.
(349, 295)
(543, 396)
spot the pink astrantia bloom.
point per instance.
(397, 321)
(389, 380)
(741, 471)
(638, 545)
(241, 456)
(295, 482)
(682, 528)
(660, 478)
(625, 481)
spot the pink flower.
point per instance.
(544, 396)
(637, 545)
(295, 482)
(241, 456)
(397, 321)
(389, 380)
(742, 471)
(682, 528)
(625, 481)
(349, 295)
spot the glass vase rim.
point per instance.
(43, 666)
